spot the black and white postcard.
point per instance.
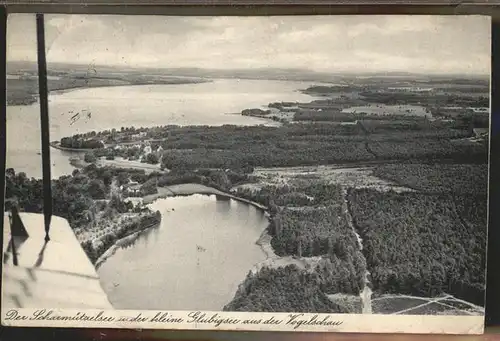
(294, 173)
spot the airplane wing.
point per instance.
(56, 274)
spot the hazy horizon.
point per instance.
(433, 45)
(80, 66)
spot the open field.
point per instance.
(403, 110)
(359, 177)
(121, 163)
(411, 305)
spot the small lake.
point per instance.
(382, 109)
(194, 260)
(213, 103)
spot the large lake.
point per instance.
(213, 103)
(195, 260)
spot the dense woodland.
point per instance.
(73, 196)
(80, 143)
(285, 289)
(95, 248)
(440, 231)
(314, 223)
(218, 179)
(80, 198)
(232, 147)
(438, 178)
(442, 98)
(442, 93)
(440, 241)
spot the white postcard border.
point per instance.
(235, 321)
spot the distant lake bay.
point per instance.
(213, 103)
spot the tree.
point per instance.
(149, 187)
(151, 158)
(106, 176)
(90, 157)
(97, 189)
(123, 178)
(9, 172)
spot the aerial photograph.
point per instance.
(250, 164)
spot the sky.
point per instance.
(423, 44)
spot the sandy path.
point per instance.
(366, 293)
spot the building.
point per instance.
(131, 188)
(479, 110)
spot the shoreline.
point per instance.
(187, 189)
(31, 99)
(109, 252)
(78, 162)
(56, 145)
(65, 90)
(264, 240)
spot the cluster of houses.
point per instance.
(144, 147)
(131, 189)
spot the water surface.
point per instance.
(214, 103)
(195, 260)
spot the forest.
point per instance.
(445, 92)
(286, 289)
(426, 99)
(440, 231)
(72, 195)
(215, 178)
(441, 241)
(81, 197)
(438, 178)
(312, 144)
(80, 143)
(96, 246)
(233, 147)
(311, 221)
(429, 150)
